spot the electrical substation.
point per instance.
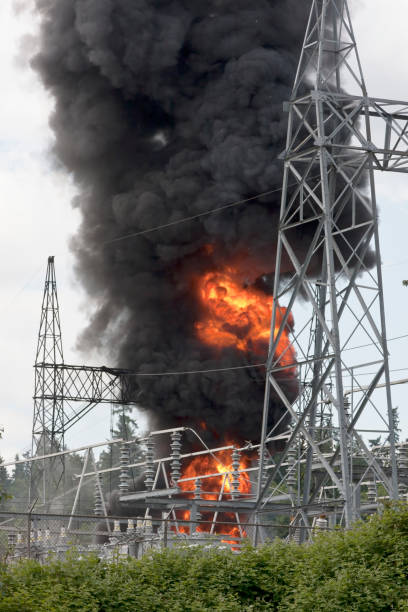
(313, 468)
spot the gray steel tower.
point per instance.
(48, 419)
(335, 141)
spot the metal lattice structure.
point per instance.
(58, 384)
(327, 467)
(48, 419)
(335, 141)
(64, 394)
(88, 385)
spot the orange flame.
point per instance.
(240, 316)
(219, 486)
(212, 487)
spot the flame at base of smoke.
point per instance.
(235, 315)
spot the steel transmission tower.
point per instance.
(335, 141)
(48, 419)
(64, 394)
(58, 385)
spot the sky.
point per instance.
(37, 220)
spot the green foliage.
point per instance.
(125, 428)
(362, 570)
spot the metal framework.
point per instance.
(86, 384)
(57, 384)
(335, 141)
(63, 394)
(48, 419)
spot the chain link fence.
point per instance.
(46, 537)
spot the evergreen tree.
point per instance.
(125, 428)
(4, 483)
(20, 483)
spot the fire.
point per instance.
(240, 316)
(217, 485)
(213, 486)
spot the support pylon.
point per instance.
(328, 198)
(48, 418)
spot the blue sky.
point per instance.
(36, 219)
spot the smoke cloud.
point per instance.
(165, 109)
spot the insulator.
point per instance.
(116, 526)
(19, 538)
(47, 535)
(139, 525)
(197, 488)
(39, 535)
(291, 461)
(148, 525)
(130, 526)
(372, 492)
(124, 469)
(294, 532)
(175, 464)
(402, 489)
(149, 469)
(321, 522)
(63, 534)
(264, 475)
(98, 508)
(236, 456)
(402, 456)
(197, 496)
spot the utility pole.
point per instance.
(335, 141)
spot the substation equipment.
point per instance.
(326, 473)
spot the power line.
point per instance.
(203, 214)
(243, 367)
(352, 348)
(192, 217)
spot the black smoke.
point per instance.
(165, 109)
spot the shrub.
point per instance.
(364, 569)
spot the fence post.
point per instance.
(30, 510)
(165, 533)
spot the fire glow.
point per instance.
(239, 316)
(217, 487)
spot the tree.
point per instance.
(4, 479)
(125, 428)
(4, 482)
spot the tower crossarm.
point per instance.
(87, 384)
(365, 125)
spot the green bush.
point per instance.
(364, 569)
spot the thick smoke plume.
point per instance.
(165, 109)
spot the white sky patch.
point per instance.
(36, 219)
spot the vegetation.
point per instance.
(125, 428)
(60, 491)
(362, 570)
